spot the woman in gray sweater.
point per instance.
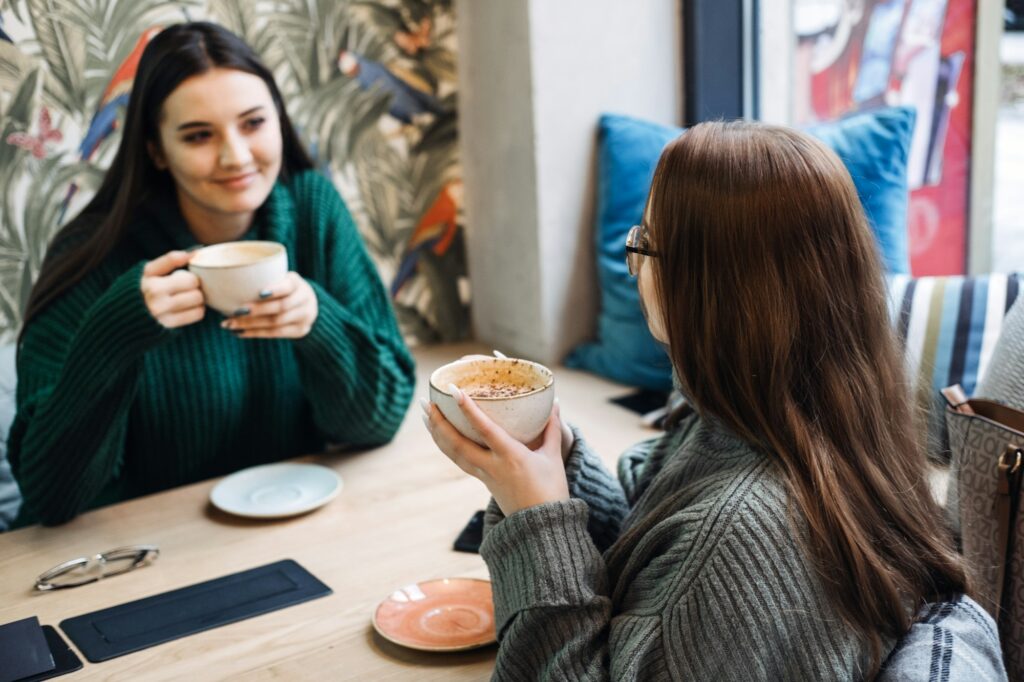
(783, 527)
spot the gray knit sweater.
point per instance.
(687, 568)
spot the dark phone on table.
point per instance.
(472, 535)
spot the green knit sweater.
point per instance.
(112, 405)
(687, 568)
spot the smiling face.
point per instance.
(220, 139)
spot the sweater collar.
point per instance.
(160, 226)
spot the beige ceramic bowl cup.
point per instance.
(524, 415)
(233, 274)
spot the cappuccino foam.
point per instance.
(233, 254)
(506, 380)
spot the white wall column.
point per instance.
(534, 76)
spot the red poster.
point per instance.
(856, 55)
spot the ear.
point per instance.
(156, 154)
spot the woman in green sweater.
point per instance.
(127, 383)
(783, 527)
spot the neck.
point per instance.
(209, 227)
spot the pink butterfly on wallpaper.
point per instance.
(37, 144)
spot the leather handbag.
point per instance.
(987, 443)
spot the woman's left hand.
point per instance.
(286, 310)
(517, 476)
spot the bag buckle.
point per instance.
(1004, 460)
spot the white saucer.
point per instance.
(276, 490)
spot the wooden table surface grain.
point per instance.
(393, 524)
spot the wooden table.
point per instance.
(393, 524)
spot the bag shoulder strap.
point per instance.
(1006, 493)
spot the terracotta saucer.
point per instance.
(449, 614)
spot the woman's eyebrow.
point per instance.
(200, 124)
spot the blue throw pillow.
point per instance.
(873, 145)
(625, 351)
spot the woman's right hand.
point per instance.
(172, 295)
(517, 475)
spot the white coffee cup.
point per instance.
(523, 411)
(233, 274)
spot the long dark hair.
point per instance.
(775, 308)
(175, 54)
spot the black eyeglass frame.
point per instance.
(636, 236)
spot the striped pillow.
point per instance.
(949, 327)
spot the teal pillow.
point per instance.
(873, 145)
(625, 351)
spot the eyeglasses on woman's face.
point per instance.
(637, 246)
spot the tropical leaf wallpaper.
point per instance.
(370, 85)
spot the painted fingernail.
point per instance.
(426, 421)
(498, 354)
(226, 324)
(456, 393)
(425, 406)
(265, 293)
(241, 311)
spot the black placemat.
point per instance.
(108, 633)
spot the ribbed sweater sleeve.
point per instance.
(355, 368)
(551, 600)
(78, 370)
(590, 482)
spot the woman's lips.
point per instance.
(237, 181)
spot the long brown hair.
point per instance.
(775, 307)
(174, 55)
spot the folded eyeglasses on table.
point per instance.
(85, 570)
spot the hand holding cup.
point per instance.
(286, 310)
(173, 296)
(517, 475)
(497, 420)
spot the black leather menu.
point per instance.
(112, 632)
(23, 650)
(65, 660)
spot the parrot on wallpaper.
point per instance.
(102, 124)
(407, 99)
(411, 42)
(435, 231)
(114, 96)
